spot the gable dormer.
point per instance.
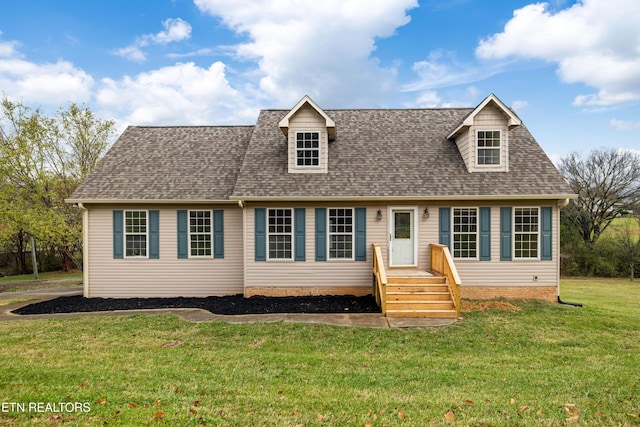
(483, 136)
(308, 130)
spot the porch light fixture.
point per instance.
(426, 213)
(379, 215)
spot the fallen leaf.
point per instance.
(101, 401)
(469, 402)
(598, 414)
(280, 390)
(513, 401)
(193, 411)
(157, 402)
(368, 424)
(568, 407)
(632, 415)
(320, 417)
(132, 405)
(172, 343)
(159, 415)
(450, 416)
(524, 408)
(84, 384)
(572, 420)
(196, 403)
(401, 415)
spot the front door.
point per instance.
(402, 234)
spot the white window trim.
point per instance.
(477, 233)
(190, 234)
(293, 236)
(295, 151)
(353, 234)
(514, 257)
(125, 234)
(478, 148)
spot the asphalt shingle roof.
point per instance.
(393, 153)
(165, 163)
(377, 153)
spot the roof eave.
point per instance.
(487, 197)
(151, 201)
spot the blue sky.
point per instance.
(571, 69)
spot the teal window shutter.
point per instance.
(505, 234)
(260, 228)
(321, 234)
(183, 235)
(118, 235)
(218, 234)
(546, 212)
(485, 234)
(154, 234)
(361, 234)
(445, 227)
(299, 235)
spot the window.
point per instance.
(200, 234)
(135, 230)
(526, 230)
(280, 232)
(307, 149)
(341, 233)
(488, 142)
(465, 233)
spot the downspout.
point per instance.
(85, 250)
(242, 206)
(560, 301)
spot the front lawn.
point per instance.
(545, 364)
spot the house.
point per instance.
(306, 201)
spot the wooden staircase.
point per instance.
(415, 296)
(415, 293)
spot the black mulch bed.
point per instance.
(235, 304)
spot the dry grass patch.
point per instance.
(467, 306)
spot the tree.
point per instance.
(42, 160)
(628, 243)
(607, 183)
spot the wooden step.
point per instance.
(419, 305)
(410, 296)
(422, 313)
(417, 288)
(418, 280)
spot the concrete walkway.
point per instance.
(367, 320)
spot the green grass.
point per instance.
(53, 275)
(547, 364)
(26, 282)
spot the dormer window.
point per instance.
(307, 149)
(489, 147)
(308, 130)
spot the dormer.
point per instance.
(483, 136)
(308, 130)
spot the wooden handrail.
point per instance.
(379, 279)
(442, 263)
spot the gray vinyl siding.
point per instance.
(496, 273)
(167, 276)
(312, 273)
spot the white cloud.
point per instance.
(622, 125)
(46, 83)
(175, 30)
(519, 105)
(594, 42)
(183, 94)
(321, 48)
(442, 69)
